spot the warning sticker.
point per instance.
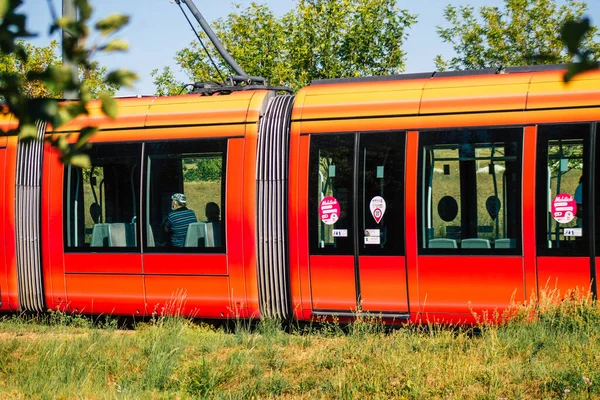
(377, 207)
(329, 210)
(372, 240)
(564, 208)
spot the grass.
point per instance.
(546, 349)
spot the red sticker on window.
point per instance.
(564, 208)
(329, 210)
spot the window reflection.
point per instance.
(471, 190)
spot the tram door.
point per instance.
(102, 260)
(356, 223)
(564, 223)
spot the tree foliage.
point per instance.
(318, 39)
(204, 170)
(55, 78)
(40, 59)
(522, 32)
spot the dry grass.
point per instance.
(546, 349)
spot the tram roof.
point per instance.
(185, 110)
(513, 89)
(442, 74)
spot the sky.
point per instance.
(158, 29)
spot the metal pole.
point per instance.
(213, 38)
(69, 10)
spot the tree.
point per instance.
(206, 169)
(39, 59)
(318, 39)
(166, 83)
(57, 78)
(523, 32)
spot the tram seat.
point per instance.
(442, 243)
(213, 234)
(150, 236)
(114, 235)
(100, 235)
(196, 235)
(505, 243)
(475, 243)
(118, 235)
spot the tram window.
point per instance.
(195, 169)
(562, 227)
(101, 201)
(470, 184)
(331, 204)
(381, 193)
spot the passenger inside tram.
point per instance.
(178, 220)
(212, 212)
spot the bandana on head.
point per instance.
(179, 197)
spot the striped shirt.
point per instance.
(177, 223)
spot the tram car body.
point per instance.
(412, 197)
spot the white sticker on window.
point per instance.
(340, 233)
(377, 207)
(372, 232)
(372, 240)
(575, 232)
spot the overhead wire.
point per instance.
(201, 42)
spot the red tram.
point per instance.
(410, 197)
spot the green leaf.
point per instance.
(109, 105)
(84, 136)
(28, 132)
(65, 22)
(48, 108)
(573, 32)
(85, 95)
(85, 9)
(578, 68)
(63, 116)
(79, 160)
(62, 145)
(111, 23)
(75, 109)
(121, 77)
(4, 8)
(115, 45)
(61, 75)
(53, 28)
(21, 53)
